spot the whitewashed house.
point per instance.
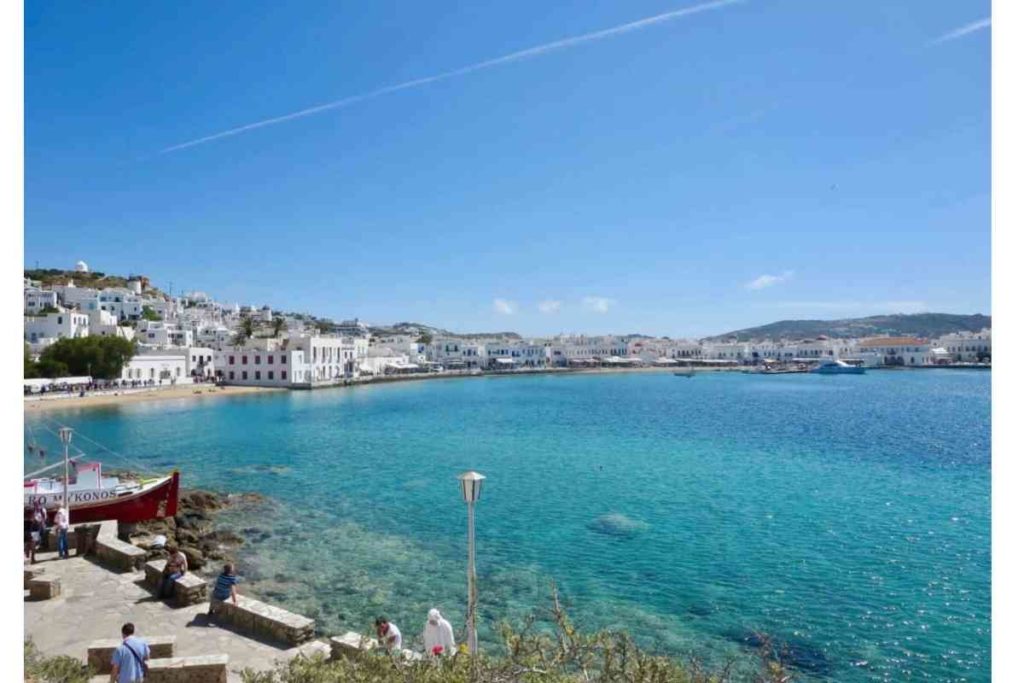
(898, 350)
(63, 324)
(967, 346)
(160, 368)
(105, 324)
(37, 299)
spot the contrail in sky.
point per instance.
(512, 57)
(964, 30)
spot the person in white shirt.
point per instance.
(389, 635)
(62, 521)
(438, 638)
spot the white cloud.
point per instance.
(504, 306)
(964, 30)
(549, 306)
(765, 281)
(597, 304)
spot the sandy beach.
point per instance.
(189, 391)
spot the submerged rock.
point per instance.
(793, 653)
(617, 524)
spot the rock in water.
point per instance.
(194, 556)
(617, 524)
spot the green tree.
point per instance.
(424, 338)
(101, 357)
(48, 309)
(51, 369)
(278, 325)
(31, 370)
(149, 314)
(245, 330)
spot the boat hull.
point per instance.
(154, 500)
(852, 370)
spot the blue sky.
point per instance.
(749, 162)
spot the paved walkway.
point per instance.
(95, 602)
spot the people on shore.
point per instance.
(39, 519)
(62, 522)
(128, 664)
(438, 638)
(388, 635)
(30, 544)
(174, 569)
(224, 588)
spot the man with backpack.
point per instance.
(130, 657)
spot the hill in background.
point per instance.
(927, 325)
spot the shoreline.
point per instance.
(129, 396)
(202, 391)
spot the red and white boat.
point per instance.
(95, 497)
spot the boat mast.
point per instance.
(65, 438)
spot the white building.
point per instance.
(567, 350)
(83, 298)
(898, 350)
(37, 299)
(159, 368)
(738, 352)
(105, 324)
(352, 328)
(454, 353)
(164, 334)
(967, 346)
(123, 303)
(297, 362)
(63, 324)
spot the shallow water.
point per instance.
(847, 516)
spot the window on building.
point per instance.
(270, 374)
(231, 374)
(284, 359)
(245, 374)
(231, 361)
(245, 360)
(257, 374)
(256, 359)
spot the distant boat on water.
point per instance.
(688, 372)
(838, 367)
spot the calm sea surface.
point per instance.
(847, 516)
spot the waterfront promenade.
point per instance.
(95, 602)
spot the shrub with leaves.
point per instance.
(60, 669)
(560, 654)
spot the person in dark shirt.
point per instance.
(224, 588)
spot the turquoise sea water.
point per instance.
(847, 516)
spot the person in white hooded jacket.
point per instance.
(437, 635)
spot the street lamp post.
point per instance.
(65, 438)
(472, 483)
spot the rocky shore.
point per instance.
(193, 530)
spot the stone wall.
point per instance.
(266, 620)
(101, 652)
(203, 669)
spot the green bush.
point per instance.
(101, 357)
(60, 669)
(558, 654)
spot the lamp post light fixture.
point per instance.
(65, 438)
(472, 483)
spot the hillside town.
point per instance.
(191, 337)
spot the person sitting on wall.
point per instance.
(174, 569)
